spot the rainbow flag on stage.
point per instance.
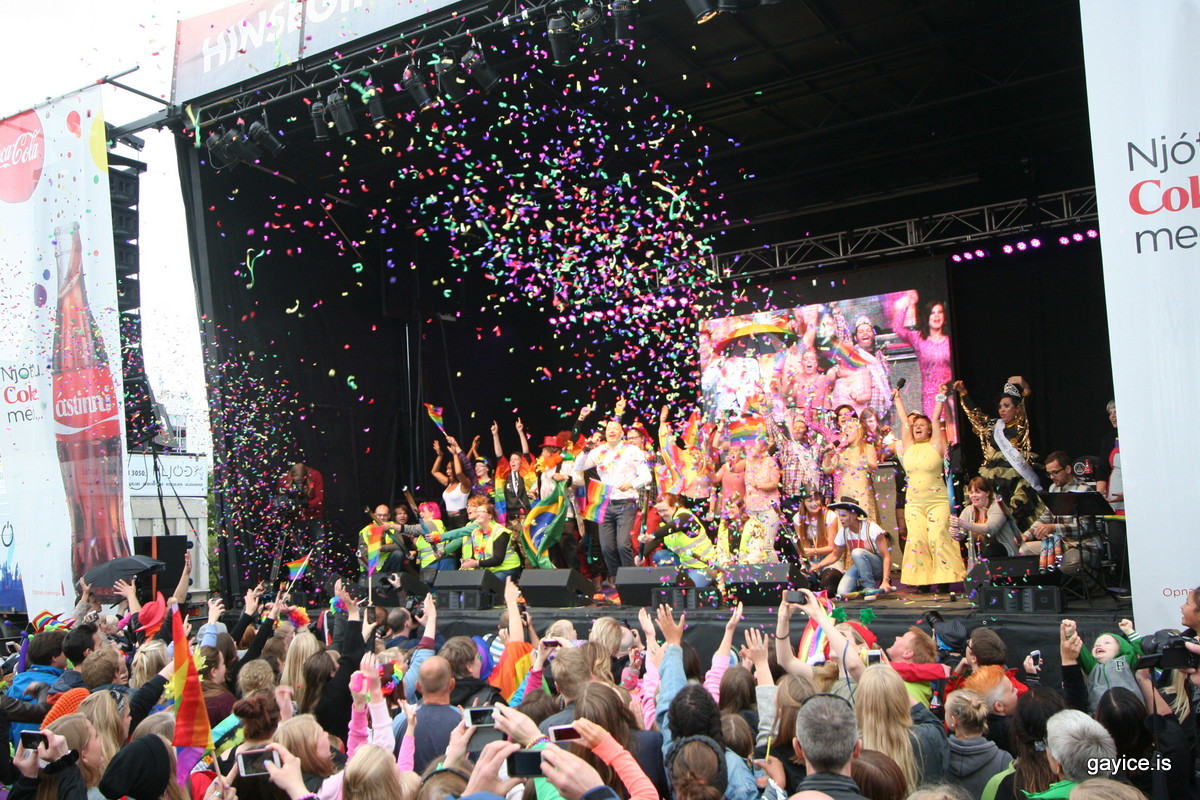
(543, 527)
(435, 414)
(595, 500)
(374, 543)
(193, 733)
(296, 568)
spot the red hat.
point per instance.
(551, 441)
(863, 631)
(152, 615)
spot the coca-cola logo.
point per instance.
(22, 151)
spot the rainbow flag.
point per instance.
(543, 527)
(846, 354)
(193, 734)
(499, 496)
(374, 543)
(746, 429)
(296, 568)
(435, 414)
(595, 500)
(813, 640)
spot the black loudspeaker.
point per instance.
(468, 590)
(763, 584)
(1042, 600)
(999, 599)
(636, 585)
(1011, 571)
(555, 588)
(170, 551)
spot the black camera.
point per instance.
(1166, 649)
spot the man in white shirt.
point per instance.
(622, 467)
(870, 551)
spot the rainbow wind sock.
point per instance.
(296, 568)
(595, 502)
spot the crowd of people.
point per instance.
(797, 487)
(375, 703)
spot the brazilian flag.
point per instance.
(543, 527)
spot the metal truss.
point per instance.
(920, 235)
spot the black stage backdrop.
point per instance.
(326, 349)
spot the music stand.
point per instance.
(1077, 505)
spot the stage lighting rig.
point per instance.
(414, 83)
(478, 68)
(593, 34)
(561, 35)
(320, 122)
(376, 107)
(624, 20)
(263, 137)
(702, 10)
(452, 82)
(339, 108)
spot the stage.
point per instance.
(894, 613)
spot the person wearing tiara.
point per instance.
(1008, 458)
(864, 382)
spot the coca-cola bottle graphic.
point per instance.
(86, 418)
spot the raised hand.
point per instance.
(672, 631)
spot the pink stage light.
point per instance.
(1077, 237)
(1022, 246)
(1008, 248)
(1035, 242)
(1092, 233)
(1063, 240)
(956, 258)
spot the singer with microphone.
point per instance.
(931, 556)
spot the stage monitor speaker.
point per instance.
(556, 588)
(1042, 600)
(763, 584)
(999, 599)
(636, 585)
(170, 552)
(1008, 571)
(468, 590)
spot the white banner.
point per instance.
(246, 40)
(1142, 95)
(182, 475)
(62, 500)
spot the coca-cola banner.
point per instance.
(1142, 96)
(244, 41)
(63, 498)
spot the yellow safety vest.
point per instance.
(480, 543)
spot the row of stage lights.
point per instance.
(1024, 245)
(704, 10)
(568, 31)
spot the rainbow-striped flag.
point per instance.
(435, 414)
(847, 355)
(296, 568)
(374, 543)
(813, 640)
(193, 733)
(595, 501)
(746, 429)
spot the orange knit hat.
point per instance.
(66, 703)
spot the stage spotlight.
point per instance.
(450, 79)
(624, 20)
(1008, 248)
(1063, 240)
(1022, 246)
(1092, 233)
(339, 108)
(414, 84)
(1077, 237)
(479, 70)
(1035, 242)
(729, 6)
(218, 151)
(980, 253)
(263, 137)
(320, 122)
(702, 10)
(562, 46)
(376, 107)
(592, 33)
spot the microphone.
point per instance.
(900, 383)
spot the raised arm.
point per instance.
(496, 448)
(521, 435)
(906, 437)
(438, 473)
(783, 641)
(844, 648)
(938, 439)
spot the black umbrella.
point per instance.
(110, 572)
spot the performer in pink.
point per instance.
(932, 346)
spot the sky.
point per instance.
(57, 46)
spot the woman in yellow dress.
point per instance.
(931, 556)
(853, 464)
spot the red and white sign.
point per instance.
(22, 154)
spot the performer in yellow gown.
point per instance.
(853, 465)
(931, 555)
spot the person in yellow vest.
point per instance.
(684, 540)
(485, 543)
(427, 538)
